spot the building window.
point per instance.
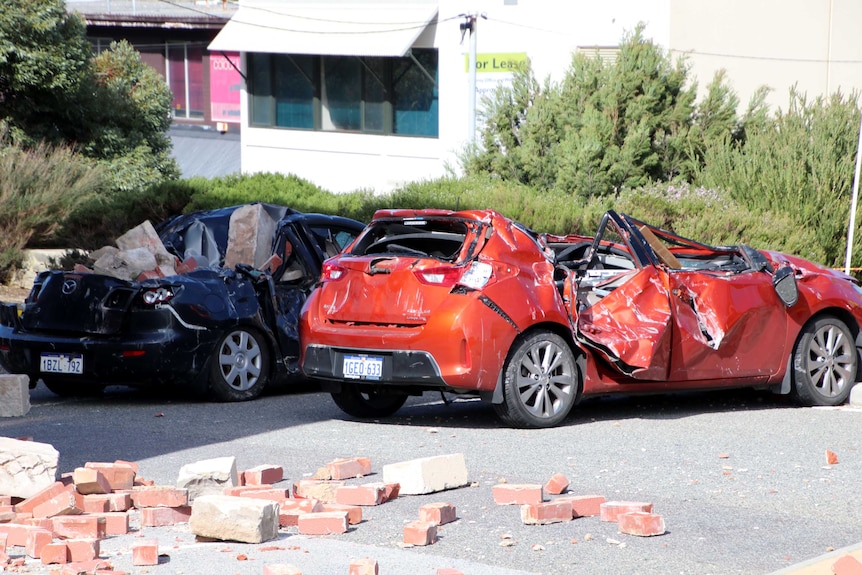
(345, 93)
(186, 80)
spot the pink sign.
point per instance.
(225, 85)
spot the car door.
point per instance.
(667, 320)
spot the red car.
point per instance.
(471, 302)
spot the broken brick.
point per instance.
(159, 496)
(367, 494)
(82, 549)
(323, 523)
(263, 475)
(545, 513)
(272, 494)
(95, 504)
(437, 513)
(847, 565)
(420, 533)
(36, 541)
(16, 533)
(611, 510)
(29, 504)
(448, 571)
(314, 489)
(161, 516)
(145, 553)
(557, 484)
(584, 505)
(290, 510)
(363, 566)
(79, 527)
(354, 512)
(349, 468)
(116, 522)
(90, 481)
(91, 567)
(641, 524)
(831, 457)
(55, 553)
(120, 474)
(517, 494)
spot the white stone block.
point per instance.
(26, 467)
(856, 396)
(250, 237)
(230, 518)
(428, 474)
(14, 395)
(208, 477)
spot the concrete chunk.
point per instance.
(250, 237)
(14, 395)
(125, 264)
(26, 467)
(428, 474)
(208, 476)
(856, 396)
(144, 236)
(230, 518)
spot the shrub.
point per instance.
(40, 188)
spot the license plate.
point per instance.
(62, 363)
(362, 367)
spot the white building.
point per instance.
(367, 94)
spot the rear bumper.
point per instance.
(164, 356)
(401, 367)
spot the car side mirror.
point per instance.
(784, 282)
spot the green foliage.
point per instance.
(44, 69)
(799, 164)
(113, 108)
(102, 218)
(39, 188)
(131, 105)
(604, 128)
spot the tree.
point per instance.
(605, 127)
(111, 107)
(44, 62)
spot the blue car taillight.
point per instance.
(157, 295)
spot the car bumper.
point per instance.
(137, 359)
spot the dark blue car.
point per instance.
(225, 333)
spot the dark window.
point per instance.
(185, 78)
(345, 93)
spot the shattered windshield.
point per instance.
(442, 239)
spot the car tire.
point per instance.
(368, 403)
(824, 363)
(72, 389)
(540, 381)
(240, 367)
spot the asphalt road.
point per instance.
(740, 478)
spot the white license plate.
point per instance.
(62, 363)
(362, 367)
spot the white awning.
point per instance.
(341, 27)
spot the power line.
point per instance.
(765, 58)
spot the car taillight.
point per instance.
(476, 276)
(331, 272)
(157, 295)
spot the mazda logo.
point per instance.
(69, 286)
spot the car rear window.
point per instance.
(440, 239)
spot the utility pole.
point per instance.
(853, 201)
(469, 24)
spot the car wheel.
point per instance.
(240, 366)
(72, 389)
(540, 382)
(367, 403)
(824, 363)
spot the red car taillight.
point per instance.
(476, 276)
(331, 272)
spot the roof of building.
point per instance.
(160, 13)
